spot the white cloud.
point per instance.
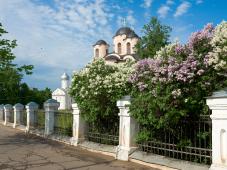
(182, 9)
(58, 37)
(199, 1)
(147, 3)
(130, 19)
(165, 8)
(116, 6)
(163, 11)
(169, 2)
(182, 31)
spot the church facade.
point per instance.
(124, 42)
(62, 95)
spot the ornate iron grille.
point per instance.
(104, 132)
(40, 119)
(63, 121)
(192, 142)
(23, 118)
(3, 118)
(11, 117)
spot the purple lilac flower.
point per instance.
(206, 60)
(133, 78)
(141, 86)
(206, 33)
(179, 49)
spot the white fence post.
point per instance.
(8, 109)
(50, 106)
(31, 109)
(127, 131)
(79, 126)
(1, 112)
(18, 108)
(218, 104)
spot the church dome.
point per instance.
(100, 42)
(126, 31)
(65, 76)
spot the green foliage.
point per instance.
(173, 85)
(11, 88)
(184, 142)
(155, 36)
(27, 95)
(10, 73)
(41, 119)
(144, 135)
(203, 135)
(63, 123)
(97, 87)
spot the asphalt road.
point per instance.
(19, 151)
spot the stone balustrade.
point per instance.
(127, 131)
(8, 109)
(31, 109)
(50, 106)
(218, 104)
(18, 109)
(2, 113)
(128, 127)
(79, 126)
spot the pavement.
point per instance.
(20, 151)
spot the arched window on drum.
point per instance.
(128, 48)
(119, 48)
(97, 53)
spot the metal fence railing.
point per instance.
(23, 118)
(3, 116)
(63, 121)
(40, 119)
(192, 142)
(11, 117)
(104, 132)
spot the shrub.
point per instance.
(174, 84)
(97, 87)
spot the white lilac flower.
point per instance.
(176, 93)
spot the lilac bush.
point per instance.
(98, 86)
(173, 84)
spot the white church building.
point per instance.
(62, 95)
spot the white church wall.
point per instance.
(124, 40)
(61, 100)
(61, 94)
(102, 50)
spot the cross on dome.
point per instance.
(65, 76)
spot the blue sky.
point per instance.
(57, 35)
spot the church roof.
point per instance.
(113, 56)
(117, 57)
(65, 76)
(100, 42)
(59, 91)
(126, 31)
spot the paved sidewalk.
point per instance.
(21, 152)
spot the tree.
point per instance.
(10, 73)
(27, 95)
(39, 96)
(155, 36)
